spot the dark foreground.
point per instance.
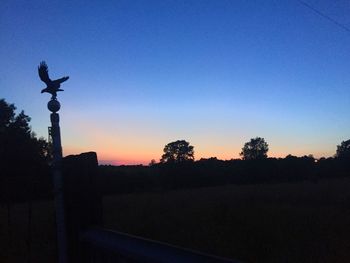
(301, 222)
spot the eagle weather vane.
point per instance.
(52, 86)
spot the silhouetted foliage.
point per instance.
(21, 153)
(153, 162)
(177, 152)
(19, 144)
(343, 150)
(212, 172)
(255, 149)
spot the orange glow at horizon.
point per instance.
(139, 143)
(136, 158)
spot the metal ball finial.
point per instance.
(53, 105)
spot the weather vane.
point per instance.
(52, 86)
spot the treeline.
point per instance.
(172, 176)
(24, 158)
(214, 172)
(25, 165)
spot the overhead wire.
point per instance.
(324, 16)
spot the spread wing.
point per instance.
(62, 79)
(44, 73)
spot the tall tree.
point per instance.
(255, 149)
(343, 150)
(177, 152)
(20, 152)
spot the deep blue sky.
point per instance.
(216, 73)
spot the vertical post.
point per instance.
(83, 201)
(54, 106)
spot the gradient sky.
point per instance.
(215, 73)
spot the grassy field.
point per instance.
(22, 240)
(301, 222)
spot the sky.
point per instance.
(215, 73)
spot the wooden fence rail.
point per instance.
(110, 246)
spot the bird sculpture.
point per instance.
(52, 86)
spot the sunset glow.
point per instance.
(213, 73)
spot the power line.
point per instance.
(324, 16)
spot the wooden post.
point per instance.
(83, 201)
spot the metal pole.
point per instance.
(54, 106)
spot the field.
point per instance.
(28, 239)
(301, 222)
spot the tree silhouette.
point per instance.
(255, 149)
(20, 152)
(152, 163)
(177, 152)
(343, 150)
